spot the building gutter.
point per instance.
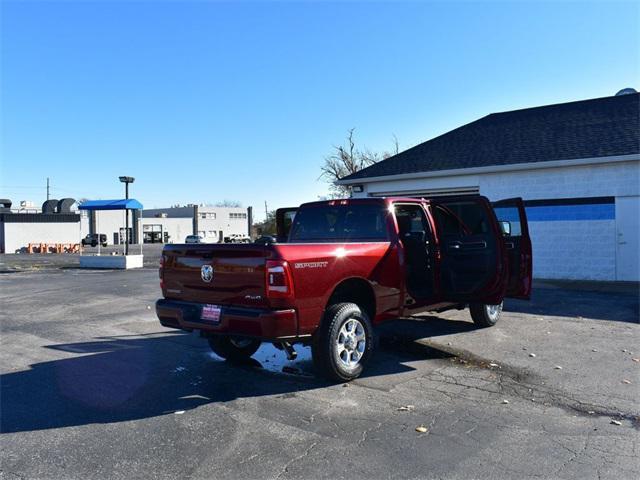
(494, 169)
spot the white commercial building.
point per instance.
(57, 223)
(576, 165)
(19, 230)
(213, 224)
(172, 225)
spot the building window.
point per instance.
(210, 215)
(235, 216)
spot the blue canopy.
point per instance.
(122, 204)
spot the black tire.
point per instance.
(485, 315)
(333, 363)
(233, 348)
(93, 244)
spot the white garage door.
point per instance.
(628, 238)
(429, 193)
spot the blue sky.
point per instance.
(204, 101)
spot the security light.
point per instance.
(126, 181)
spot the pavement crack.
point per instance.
(306, 453)
(366, 432)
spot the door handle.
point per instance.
(510, 245)
(474, 245)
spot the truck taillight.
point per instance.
(279, 283)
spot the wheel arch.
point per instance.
(355, 290)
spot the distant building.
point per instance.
(576, 165)
(172, 225)
(56, 223)
(60, 222)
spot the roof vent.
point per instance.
(626, 91)
(50, 206)
(64, 205)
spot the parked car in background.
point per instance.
(343, 266)
(92, 239)
(194, 239)
(237, 238)
(265, 240)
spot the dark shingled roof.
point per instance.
(599, 127)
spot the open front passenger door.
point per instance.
(513, 220)
(472, 253)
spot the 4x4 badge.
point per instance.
(206, 272)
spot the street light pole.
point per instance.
(126, 181)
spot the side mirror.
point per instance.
(506, 228)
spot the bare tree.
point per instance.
(349, 159)
(267, 226)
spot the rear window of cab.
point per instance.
(340, 223)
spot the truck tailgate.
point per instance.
(237, 273)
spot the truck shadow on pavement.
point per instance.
(116, 379)
(616, 306)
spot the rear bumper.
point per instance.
(251, 322)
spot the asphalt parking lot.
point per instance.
(93, 387)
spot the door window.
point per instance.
(462, 218)
(512, 216)
(411, 219)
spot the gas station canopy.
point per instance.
(122, 204)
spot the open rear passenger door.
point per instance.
(472, 253)
(513, 220)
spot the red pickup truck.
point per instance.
(337, 268)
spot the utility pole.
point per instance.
(47, 188)
(266, 212)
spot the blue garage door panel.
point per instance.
(600, 208)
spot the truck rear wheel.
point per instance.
(343, 343)
(485, 315)
(233, 348)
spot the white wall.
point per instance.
(110, 222)
(603, 180)
(572, 249)
(177, 228)
(414, 184)
(19, 235)
(599, 180)
(581, 250)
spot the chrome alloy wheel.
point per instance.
(351, 343)
(494, 310)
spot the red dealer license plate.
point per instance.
(211, 313)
